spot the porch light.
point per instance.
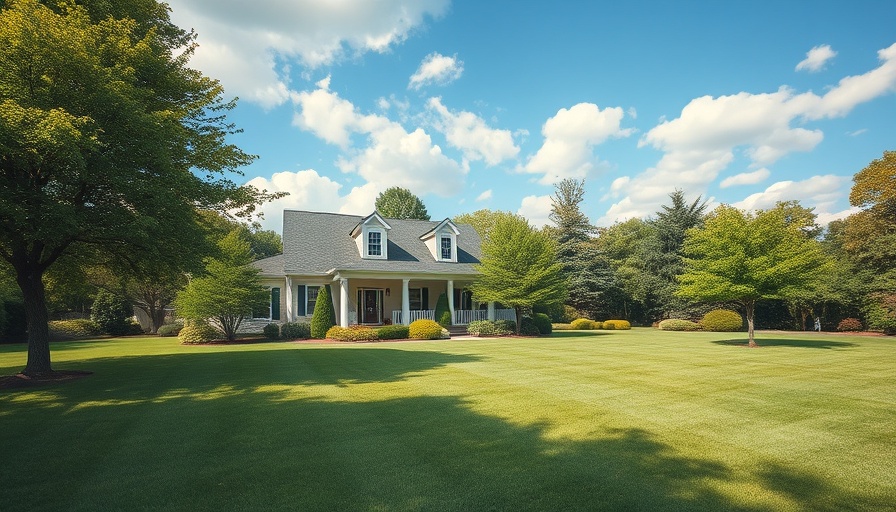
(388, 292)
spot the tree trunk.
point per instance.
(750, 306)
(31, 283)
(519, 319)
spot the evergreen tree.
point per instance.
(442, 312)
(324, 315)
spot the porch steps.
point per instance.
(457, 330)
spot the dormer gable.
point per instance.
(442, 241)
(372, 237)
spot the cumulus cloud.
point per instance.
(746, 178)
(436, 69)
(821, 192)
(701, 142)
(536, 209)
(469, 133)
(569, 140)
(307, 190)
(241, 42)
(485, 196)
(816, 58)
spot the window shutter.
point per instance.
(300, 300)
(424, 299)
(275, 303)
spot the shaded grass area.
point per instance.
(627, 420)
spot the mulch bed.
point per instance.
(20, 380)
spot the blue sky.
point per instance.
(487, 104)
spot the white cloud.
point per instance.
(436, 69)
(746, 178)
(816, 58)
(536, 209)
(702, 141)
(822, 192)
(485, 196)
(569, 140)
(307, 191)
(469, 133)
(241, 42)
(856, 133)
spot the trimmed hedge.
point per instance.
(393, 332)
(353, 333)
(424, 329)
(323, 317)
(528, 327)
(198, 332)
(722, 320)
(271, 331)
(850, 325)
(561, 327)
(168, 330)
(295, 331)
(585, 324)
(677, 324)
(505, 327)
(619, 325)
(481, 328)
(543, 323)
(73, 329)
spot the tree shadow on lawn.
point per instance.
(779, 342)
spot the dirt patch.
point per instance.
(20, 380)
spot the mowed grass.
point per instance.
(626, 420)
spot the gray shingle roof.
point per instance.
(315, 243)
(272, 266)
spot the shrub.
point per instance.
(323, 317)
(393, 332)
(881, 312)
(170, 330)
(584, 324)
(198, 332)
(112, 313)
(850, 325)
(677, 324)
(722, 320)
(561, 327)
(481, 328)
(505, 327)
(619, 325)
(295, 331)
(442, 310)
(543, 323)
(271, 331)
(445, 334)
(354, 333)
(424, 329)
(73, 329)
(528, 327)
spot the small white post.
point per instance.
(405, 302)
(343, 302)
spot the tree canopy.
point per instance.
(107, 139)
(400, 203)
(742, 257)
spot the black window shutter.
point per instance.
(424, 298)
(275, 303)
(300, 300)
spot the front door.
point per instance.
(371, 305)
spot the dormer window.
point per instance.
(372, 237)
(441, 241)
(374, 243)
(446, 247)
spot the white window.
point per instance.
(311, 300)
(446, 247)
(374, 243)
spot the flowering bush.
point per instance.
(354, 333)
(584, 324)
(198, 332)
(850, 325)
(424, 329)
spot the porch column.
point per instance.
(405, 303)
(450, 293)
(343, 302)
(289, 300)
(491, 311)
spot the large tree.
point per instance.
(400, 203)
(483, 220)
(107, 139)
(519, 268)
(744, 257)
(229, 290)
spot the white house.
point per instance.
(379, 270)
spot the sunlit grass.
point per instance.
(639, 419)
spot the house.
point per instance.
(380, 270)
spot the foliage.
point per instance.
(353, 333)
(400, 203)
(561, 327)
(109, 140)
(744, 257)
(169, 330)
(424, 329)
(262, 243)
(74, 329)
(230, 289)
(112, 313)
(875, 186)
(850, 325)
(638, 290)
(442, 313)
(585, 324)
(519, 267)
(528, 327)
(881, 312)
(323, 317)
(677, 324)
(619, 325)
(393, 332)
(481, 328)
(271, 331)
(295, 331)
(504, 327)
(543, 323)
(722, 320)
(484, 220)
(198, 331)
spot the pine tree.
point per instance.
(324, 315)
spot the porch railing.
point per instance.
(461, 316)
(415, 314)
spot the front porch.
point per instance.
(460, 316)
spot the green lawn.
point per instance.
(625, 420)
